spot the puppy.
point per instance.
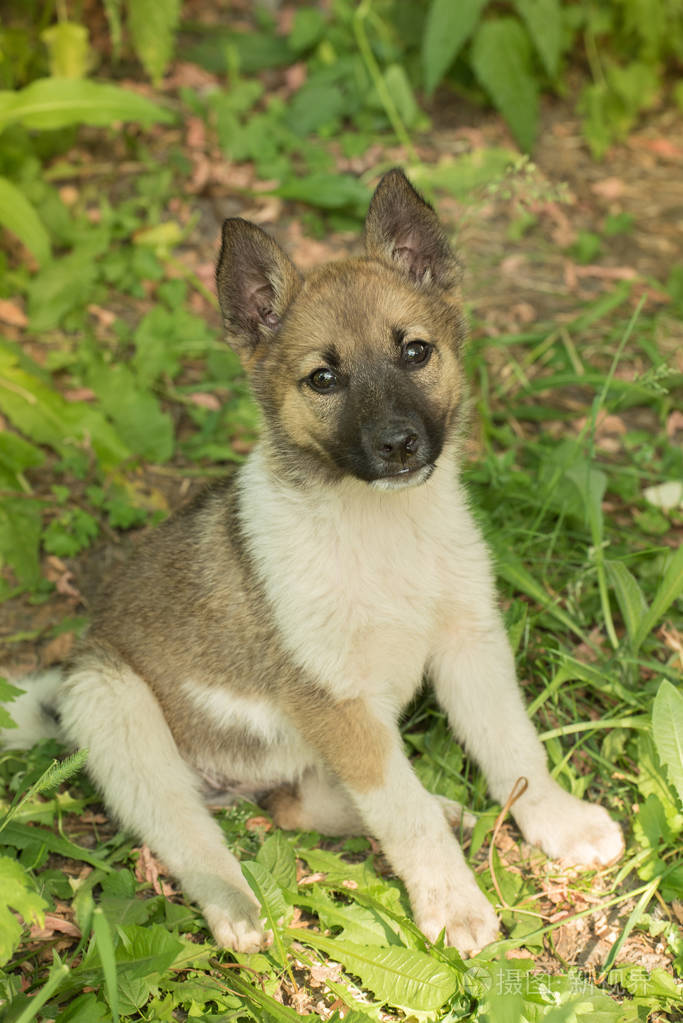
(268, 636)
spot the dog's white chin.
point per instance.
(403, 479)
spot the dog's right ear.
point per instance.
(256, 282)
(403, 230)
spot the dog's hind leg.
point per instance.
(316, 803)
(319, 803)
(132, 757)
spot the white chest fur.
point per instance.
(360, 580)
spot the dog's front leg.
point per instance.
(474, 677)
(363, 748)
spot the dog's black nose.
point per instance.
(397, 443)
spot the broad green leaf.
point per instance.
(50, 103)
(629, 596)
(329, 191)
(544, 21)
(670, 590)
(153, 25)
(269, 894)
(139, 419)
(16, 893)
(67, 45)
(398, 84)
(337, 869)
(44, 416)
(307, 28)
(21, 836)
(277, 856)
(63, 285)
(18, 216)
(591, 484)
(447, 29)
(20, 528)
(16, 455)
(400, 976)
(667, 730)
(359, 924)
(265, 888)
(501, 62)
(466, 174)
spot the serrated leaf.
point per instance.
(16, 894)
(139, 419)
(667, 730)
(632, 603)
(44, 416)
(501, 62)
(669, 590)
(20, 528)
(359, 925)
(329, 191)
(337, 869)
(18, 216)
(277, 856)
(544, 23)
(447, 29)
(50, 103)
(152, 25)
(399, 976)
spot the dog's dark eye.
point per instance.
(322, 380)
(415, 353)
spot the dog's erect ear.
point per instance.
(256, 282)
(403, 230)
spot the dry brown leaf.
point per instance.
(148, 868)
(205, 400)
(79, 394)
(674, 423)
(58, 649)
(12, 313)
(673, 639)
(609, 188)
(57, 572)
(257, 823)
(659, 147)
(105, 317)
(68, 194)
(608, 273)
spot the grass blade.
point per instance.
(58, 972)
(670, 589)
(105, 948)
(667, 730)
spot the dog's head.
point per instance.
(357, 367)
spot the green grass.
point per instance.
(104, 412)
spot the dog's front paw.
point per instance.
(466, 914)
(569, 829)
(234, 922)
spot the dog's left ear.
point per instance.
(403, 230)
(256, 283)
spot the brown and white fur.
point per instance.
(268, 636)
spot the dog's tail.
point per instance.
(35, 712)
